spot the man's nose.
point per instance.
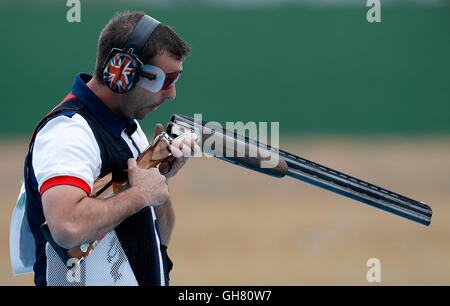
(170, 93)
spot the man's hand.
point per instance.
(153, 185)
(181, 151)
(74, 217)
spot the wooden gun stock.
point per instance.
(157, 154)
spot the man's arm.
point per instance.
(75, 218)
(166, 220)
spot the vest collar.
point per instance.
(108, 119)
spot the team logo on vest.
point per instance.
(119, 74)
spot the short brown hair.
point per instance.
(119, 28)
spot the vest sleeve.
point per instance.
(65, 152)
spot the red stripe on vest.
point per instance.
(65, 180)
(69, 96)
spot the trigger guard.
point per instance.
(165, 164)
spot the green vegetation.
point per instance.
(312, 69)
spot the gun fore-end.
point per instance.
(229, 146)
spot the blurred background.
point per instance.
(369, 99)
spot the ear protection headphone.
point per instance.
(122, 67)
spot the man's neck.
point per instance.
(105, 95)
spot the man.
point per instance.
(94, 132)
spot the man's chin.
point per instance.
(144, 112)
(141, 116)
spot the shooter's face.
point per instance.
(139, 101)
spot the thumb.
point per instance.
(131, 163)
(158, 129)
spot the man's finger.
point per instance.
(187, 152)
(158, 129)
(189, 141)
(175, 151)
(177, 143)
(181, 147)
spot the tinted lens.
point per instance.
(171, 79)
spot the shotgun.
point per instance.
(245, 152)
(283, 164)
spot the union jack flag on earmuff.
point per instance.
(122, 66)
(120, 72)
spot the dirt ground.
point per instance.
(238, 227)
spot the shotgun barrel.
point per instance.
(243, 151)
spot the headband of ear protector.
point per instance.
(122, 67)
